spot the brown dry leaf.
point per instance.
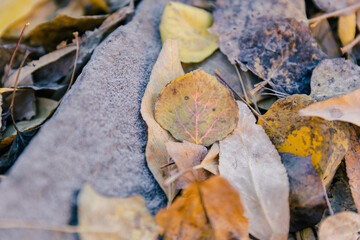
(352, 160)
(341, 226)
(166, 68)
(35, 65)
(207, 210)
(307, 197)
(345, 108)
(251, 163)
(334, 78)
(327, 142)
(211, 160)
(347, 28)
(197, 108)
(128, 218)
(186, 155)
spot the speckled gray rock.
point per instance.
(97, 135)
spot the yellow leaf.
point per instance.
(197, 108)
(12, 10)
(207, 210)
(347, 28)
(166, 68)
(327, 142)
(345, 108)
(188, 25)
(128, 218)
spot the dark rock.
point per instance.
(96, 136)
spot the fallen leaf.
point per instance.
(307, 197)
(347, 28)
(166, 68)
(345, 108)
(186, 155)
(115, 5)
(327, 142)
(352, 160)
(50, 34)
(44, 106)
(251, 163)
(197, 108)
(24, 104)
(307, 234)
(12, 10)
(206, 4)
(207, 210)
(341, 226)
(331, 5)
(129, 217)
(334, 78)
(212, 157)
(188, 25)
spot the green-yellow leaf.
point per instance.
(188, 25)
(197, 108)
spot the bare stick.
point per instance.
(14, 92)
(242, 84)
(327, 200)
(349, 46)
(76, 35)
(349, 9)
(16, 48)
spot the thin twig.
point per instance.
(327, 200)
(242, 83)
(14, 53)
(349, 46)
(14, 92)
(349, 10)
(11, 224)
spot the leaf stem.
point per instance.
(349, 46)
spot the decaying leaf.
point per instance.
(347, 28)
(327, 142)
(50, 34)
(307, 197)
(341, 226)
(212, 157)
(187, 155)
(44, 107)
(334, 78)
(127, 217)
(352, 159)
(251, 163)
(188, 25)
(24, 104)
(345, 108)
(207, 210)
(197, 108)
(166, 68)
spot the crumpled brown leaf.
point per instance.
(352, 160)
(251, 163)
(126, 218)
(186, 155)
(345, 108)
(327, 142)
(334, 78)
(307, 197)
(166, 68)
(207, 210)
(341, 226)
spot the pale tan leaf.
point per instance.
(251, 163)
(341, 226)
(345, 108)
(128, 216)
(166, 68)
(212, 157)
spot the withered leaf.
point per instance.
(207, 210)
(341, 226)
(251, 163)
(345, 108)
(166, 68)
(334, 78)
(307, 197)
(327, 142)
(197, 108)
(188, 25)
(352, 160)
(212, 157)
(127, 218)
(187, 155)
(347, 28)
